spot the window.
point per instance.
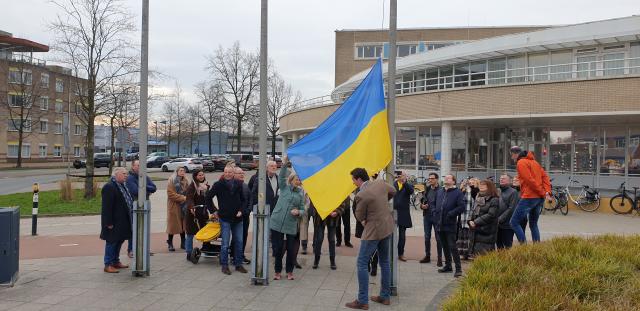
(406, 147)
(407, 49)
(78, 107)
(432, 79)
(407, 80)
(498, 149)
(478, 73)
(586, 67)
(462, 75)
(77, 129)
(458, 149)
(634, 151)
(14, 76)
(12, 151)
(539, 67)
(44, 80)
(44, 103)
(612, 150)
(419, 81)
(585, 144)
(27, 77)
(59, 85)
(446, 77)
(516, 69)
(59, 106)
(42, 150)
(634, 55)
(478, 149)
(44, 126)
(497, 71)
(560, 150)
(15, 124)
(561, 66)
(369, 51)
(76, 151)
(57, 127)
(57, 151)
(429, 148)
(17, 100)
(613, 64)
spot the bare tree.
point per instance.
(93, 37)
(281, 100)
(237, 73)
(210, 99)
(179, 109)
(22, 95)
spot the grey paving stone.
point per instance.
(8, 304)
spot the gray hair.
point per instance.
(117, 170)
(506, 174)
(270, 162)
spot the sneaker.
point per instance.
(277, 276)
(226, 270)
(241, 269)
(458, 273)
(348, 244)
(445, 270)
(290, 276)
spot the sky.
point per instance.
(301, 32)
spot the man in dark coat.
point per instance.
(508, 201)
(229, 193)
(272, 186)
(246, 212)
(117, 203)
(132, 186)
(428, 206)
(401, 201)
(450, 204)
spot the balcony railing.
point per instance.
(23, 58)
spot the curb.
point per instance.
(59, 215)
(441, 295)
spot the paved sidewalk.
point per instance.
(78, 283)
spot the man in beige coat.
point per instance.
(372, 210)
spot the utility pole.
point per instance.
(391, 118)
(260, 256)
(141, 217)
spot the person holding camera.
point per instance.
(401, 200)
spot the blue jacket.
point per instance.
(450, 204)
(132, 185)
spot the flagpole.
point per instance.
(391, 118)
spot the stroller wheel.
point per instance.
(195, 255)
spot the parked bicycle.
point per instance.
(587, 200)
(623, 203)
(418, 191)
(557, 196)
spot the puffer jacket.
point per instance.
(534, 181)
(509, 198)
(290, 198)
(485, 216)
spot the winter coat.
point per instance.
(132, 185)
(429, 198)
(450, 204)
(373, 209)
(175, 201)
(247, 208)
(509, 198)
(534, 181)
(401, 203)
(195, 218)
(230, 199)
(271, 198)
(329, 221)
(485, 216)
(116, 213)
(290, 198)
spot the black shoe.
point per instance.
(333, 263)
(439, 264)
(298, 266)
(188, 256)
(304, 251)
(348, 244)
(426, 259)
(316, 261)
(338, 244)
(458, 273)
(170, 246)
(374, 272)
(445, 269)
(246, 261)
(226, 270)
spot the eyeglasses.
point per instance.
(432, 178)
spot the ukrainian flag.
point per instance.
(355, 135)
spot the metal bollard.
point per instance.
(34, 210)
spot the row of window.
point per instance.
(12, 151)
(17, 100)
(25, 76)
(377, 50)
(14, 125)
(593, 62)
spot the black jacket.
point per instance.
(201, 215)
(429, 198)
(485, 216)
(509, 199)
(401, 202)
(230, 199)
(450, 204)
(271, 199)
(116, 213)
(329, 221)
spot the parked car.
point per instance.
(132, 156)
(244, 161)
(117, 156)
(158, 154)
(207, 164)
(189, 164)
(99, 160)
(156, 161)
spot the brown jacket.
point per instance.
(174, 209)
(373, 209)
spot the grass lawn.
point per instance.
(51, 204)
(569, 273)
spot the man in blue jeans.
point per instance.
(229, 192)
(535, 186)
(372, 211)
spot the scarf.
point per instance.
(125, 193)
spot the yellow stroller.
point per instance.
(207, 234)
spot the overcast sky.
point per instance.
(301, 32)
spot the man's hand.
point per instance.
(213, 216)
(333, 214)
(472, 224)
(548, 196)
(295, 212)
(424, 206)
(239, 214)
(110, 227)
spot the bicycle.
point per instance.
(623, 203)
(552, 204)
(587, 200)
(418, 192)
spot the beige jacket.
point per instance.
(372, 209)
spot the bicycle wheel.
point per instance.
(564, 208)
(588, 205)
(621, 204)
(552, 204)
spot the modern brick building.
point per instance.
(570, 94)
(43, 97)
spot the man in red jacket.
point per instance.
(534, 188)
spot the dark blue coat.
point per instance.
(401, 202)
(116, 213)
(271, 198)
(429, 198)
(449, 205)
(230, 199)
(132, 185)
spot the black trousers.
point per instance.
(279, 246)
(344, 220)
(402, 238)
(450, 249)
(505, 238)
(318, 238)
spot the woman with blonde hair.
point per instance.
(176, 206)
(284, 220)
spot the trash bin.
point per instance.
(9, 245)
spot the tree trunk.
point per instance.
(20, 141)
(239, 129)
(273, 145)
(91, 117)
(112, 143)
(210, 141)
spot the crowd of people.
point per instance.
(492, 215)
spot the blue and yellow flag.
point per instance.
(355, 135)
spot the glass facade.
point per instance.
(429, 144)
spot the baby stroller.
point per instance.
(207, 234)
